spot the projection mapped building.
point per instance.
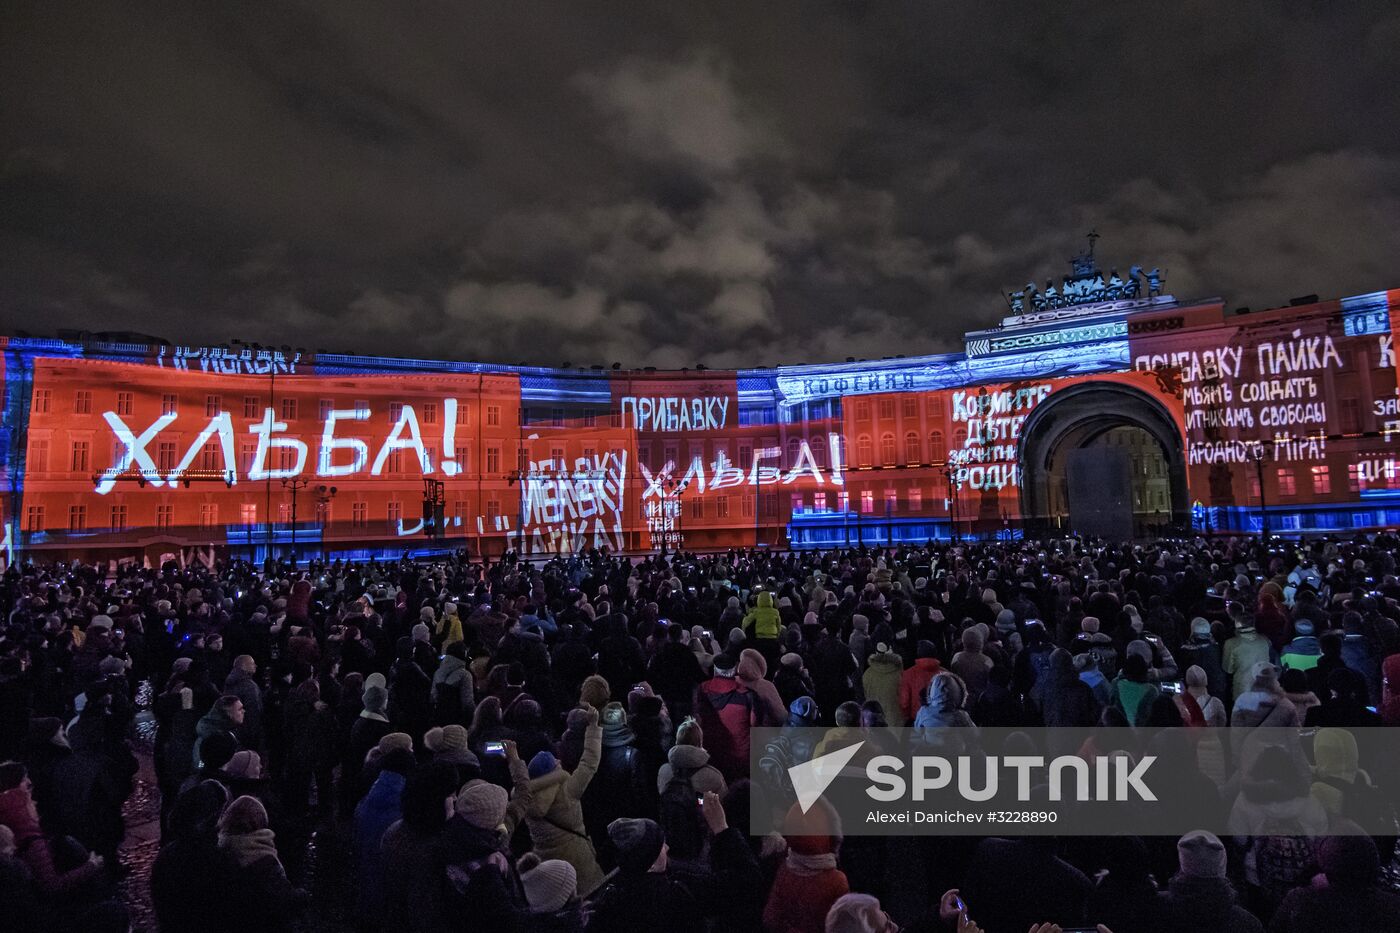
(1096, 407)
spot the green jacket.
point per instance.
(763, 620)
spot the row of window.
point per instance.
(908, 407)
(254, 407)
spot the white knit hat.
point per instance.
(549, 885)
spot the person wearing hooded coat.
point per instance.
(410, 846)
(880, 682)
(944, 711)
(453, 691)
(764, 624)
(555, 814)
(752, 672)
(1068, 703)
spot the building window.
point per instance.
(493, 510)
(394, 512)
(213, 405)
(124, 402)
(722, 506)
(745, 456)
(324, 409)
(843, 501)
(867, 501)
(911, 448)
(862, 410)
(697, 507)
(768, 506)
(888, 454)
(359, 514)
(556, 417)
(78, 462)
(937, 453)
(886, 409)
(863, 450)
(77, 518)
(493, 416)
(1321, 480)
(916, 499)
(34, 518)
(430, 412)
(799, 502)
(891, 501)
(118, 522)
(1287, 482)
(289, 409)
(209, 457)
(1351, 415)
(169, 404)
(493, 459)
(43, 401)
(208, 514)
(250, 406)
(39, 456)
(911, 407)
(165, 516)
(460, 509)
(284, 512)
(82, 402)
(362, 407)
(463, 412)
(590, 418)
(248, 513)
(746, 505)
(556, 455)
(819, 501)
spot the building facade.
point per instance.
(1095, 407)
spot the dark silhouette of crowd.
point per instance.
(561, 745)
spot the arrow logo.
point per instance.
(811, 778)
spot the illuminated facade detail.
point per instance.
(118, 447)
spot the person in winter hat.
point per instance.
(791, 678)
(944, 712)
(268, 900)
(1303, 652)
(1264, 703)
(764, 624)
(688, 760)
(1197, 705)
(859, 642)
(551, 893)
(449, 627)
(881, 680)
(1091, 640)
(1240, 655)
(1203, 650)
(808, 882)
(643, 896)
(1199, 896)
(555, 813)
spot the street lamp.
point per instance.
(295, 485)
(324, 495)
(951, 475)
(1259, 455)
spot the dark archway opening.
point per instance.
(1102, 458)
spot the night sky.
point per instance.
(733, 183)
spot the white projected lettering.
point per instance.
(565, 509)
(278, 453)
(675, 413)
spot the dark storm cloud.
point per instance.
(728, 183)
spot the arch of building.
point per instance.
(1077, 417)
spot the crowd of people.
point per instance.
(561, 745)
